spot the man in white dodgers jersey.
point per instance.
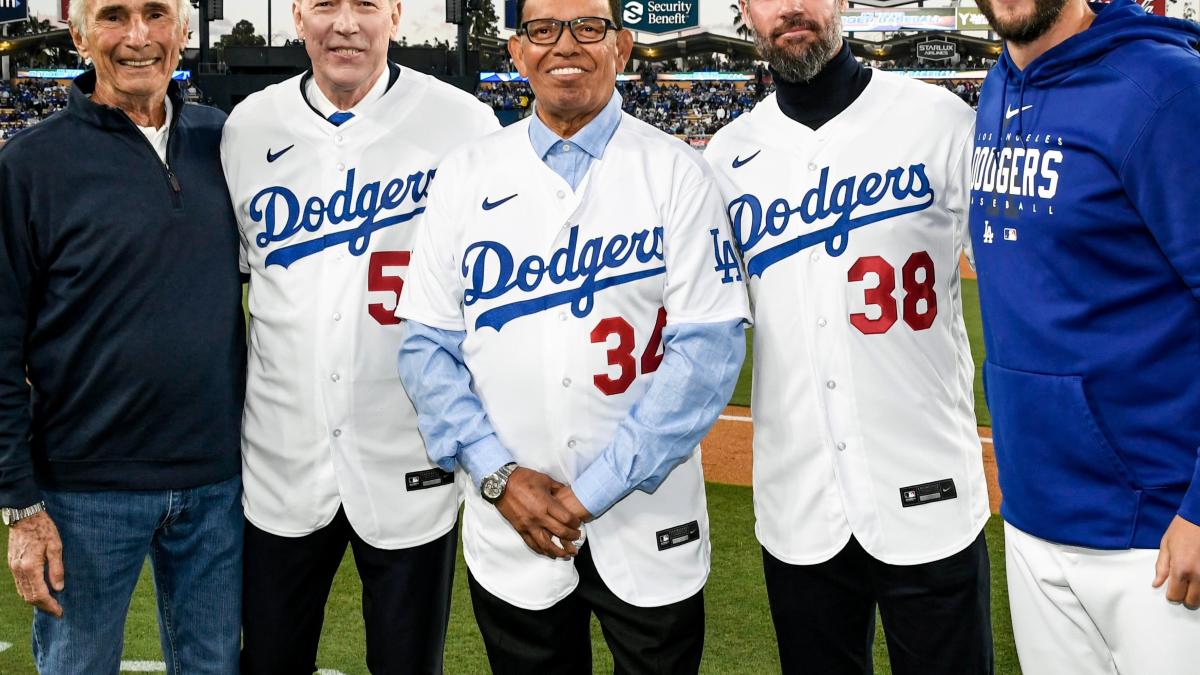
(848, 194)
(329, 174)
(574, 327)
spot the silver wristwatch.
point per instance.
(492, 486)
(12, 516)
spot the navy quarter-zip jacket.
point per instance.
(120, 301)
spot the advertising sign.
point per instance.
(970, 18)
(913, 18)
(13, 10)
(660, 16)
(936, 50)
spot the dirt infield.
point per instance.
(964, 268)
(727, 452)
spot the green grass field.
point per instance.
(739, 637)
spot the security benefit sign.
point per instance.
(658, 16)
(936, 50)
(13, 10)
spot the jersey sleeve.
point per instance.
(704, 273)
(958, 190)
(433, 291)
(229, 165)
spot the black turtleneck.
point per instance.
(822, 98)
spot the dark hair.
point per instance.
(614, 8)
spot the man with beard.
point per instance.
(848, 195)
(849, 198)
(1083, 217)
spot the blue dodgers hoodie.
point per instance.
(1085, 221)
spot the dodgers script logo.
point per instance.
(490, 272)
(752, 224)
(283, 217)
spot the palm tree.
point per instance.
(739, 26)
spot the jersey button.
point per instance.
(566, 147)
(337, 433)
(831, 385)
(339, 140)
(566, 381)
(337, 316)
(562, 316)
(335, 377)
(341, 167)
(561, 195)
(822, 322)
(816, 257)
(841, 445)
(571, 443)
(812, 166)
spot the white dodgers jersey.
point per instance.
(851, 236)
(328, 215)
(563, 296)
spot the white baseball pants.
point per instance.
(1089, 611)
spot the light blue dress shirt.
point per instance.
(572, 158)
(694, 382)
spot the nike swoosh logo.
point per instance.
(488, 206)
(738, 161)
(272, 156)
(1013, 112)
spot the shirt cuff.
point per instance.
(599, 487)
(20, 494)
(484, 457)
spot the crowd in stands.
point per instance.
(24, 103)
(505, 95)
(967, 90)
(695, 111)
(911, 62)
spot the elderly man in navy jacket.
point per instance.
(120, 301)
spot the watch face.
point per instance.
(491, 488)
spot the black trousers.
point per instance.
(936, 616)
(405, 601)
(667, 639)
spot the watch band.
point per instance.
(493, 485)
(11, 516)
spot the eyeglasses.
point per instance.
(585, 29)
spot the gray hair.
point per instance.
(77, 13)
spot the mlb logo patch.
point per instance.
(1010, 234)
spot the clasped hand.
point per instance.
(540, 508)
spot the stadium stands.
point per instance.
(692, 110)
(24, 103)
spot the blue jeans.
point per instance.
(194, 540)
